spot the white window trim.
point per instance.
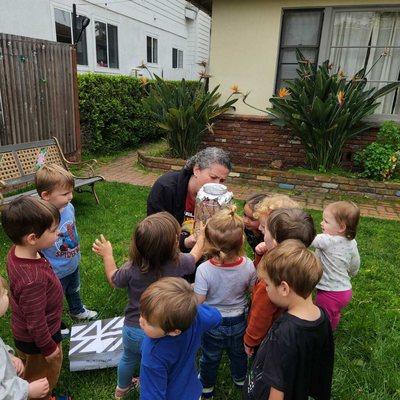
(153, 36)
(98, 68)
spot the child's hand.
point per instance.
(56, 353)
(249, 350)
(190, 241)
(18, 365)
(261, 248)
(102, 247)
(38, 389)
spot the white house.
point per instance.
(170, 36)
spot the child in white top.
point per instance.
(222, 282)
(338, 252)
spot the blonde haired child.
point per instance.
(222, 282)
(337, 249)
(154, 253)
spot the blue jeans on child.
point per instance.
(228, 336)
(132, 338)
(71, 285)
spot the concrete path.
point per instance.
(126, 170)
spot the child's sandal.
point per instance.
(121, 393)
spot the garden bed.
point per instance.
(289, 180)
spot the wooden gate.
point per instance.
(38, 92)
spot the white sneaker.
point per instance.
(87, 314)
(65, 333)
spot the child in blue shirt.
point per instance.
(55, 185)
(173, 324)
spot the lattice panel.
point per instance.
(8, 167)
(31, 159)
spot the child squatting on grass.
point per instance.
(281, 224)
(223, 282)
(12, 386)
(295, 360)
(55, 185)
(174, 324)
(154, 253)
(338, 252)
(36, 294)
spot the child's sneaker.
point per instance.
(64, 330)
(208, 393)
(239, 384)
(86, 314)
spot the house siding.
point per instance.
(136, 19)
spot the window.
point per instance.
(152, 50)
(63, 21)
(353, 39)
(177, 58)
(106, 45)
(358, 40)
(300, 29)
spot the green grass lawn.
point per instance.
(367, 362)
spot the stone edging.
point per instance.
(335, 185)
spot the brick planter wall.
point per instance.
(254, 141)
(297, 181)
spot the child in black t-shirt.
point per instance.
(295, 360)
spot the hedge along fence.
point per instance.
(111, 113)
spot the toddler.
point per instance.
(55, 185)
(338, 252)
(282, 224)
(295, 360)
(36, 294)
(251, 224)
(154, 253)
(173, 323)
(222, 282)
(13, 387)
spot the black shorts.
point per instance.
(31, 348)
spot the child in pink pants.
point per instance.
(338, 253)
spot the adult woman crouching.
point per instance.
(176, 191)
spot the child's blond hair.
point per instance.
(266, 206)
(348, 214)
(293, 263)
(169, 303)
(52, 176)
(224, 235)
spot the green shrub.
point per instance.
(185, 112)
(112, 114)
(324, 109)
(380, 159)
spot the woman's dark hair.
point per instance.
(154, 242)
(209, 156)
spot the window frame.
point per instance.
(326, 36)
(97, 66)
(178, 65)
(63, 9)
(153, 38)
(281, 47)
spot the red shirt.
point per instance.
(262, 313)
(36, 299)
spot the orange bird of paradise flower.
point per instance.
(235, 88)
(283, 92)
(341, 97)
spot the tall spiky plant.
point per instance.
(325, 110)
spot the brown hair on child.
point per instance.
(292, 262)
(291, 223)
(26, 215)
(52, 176)
(169, 303)
(224, 235)
(348, 214)
(155, 241)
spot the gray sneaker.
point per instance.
(85, 315)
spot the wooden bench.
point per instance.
(19, 162)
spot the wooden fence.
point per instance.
(38, 92)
